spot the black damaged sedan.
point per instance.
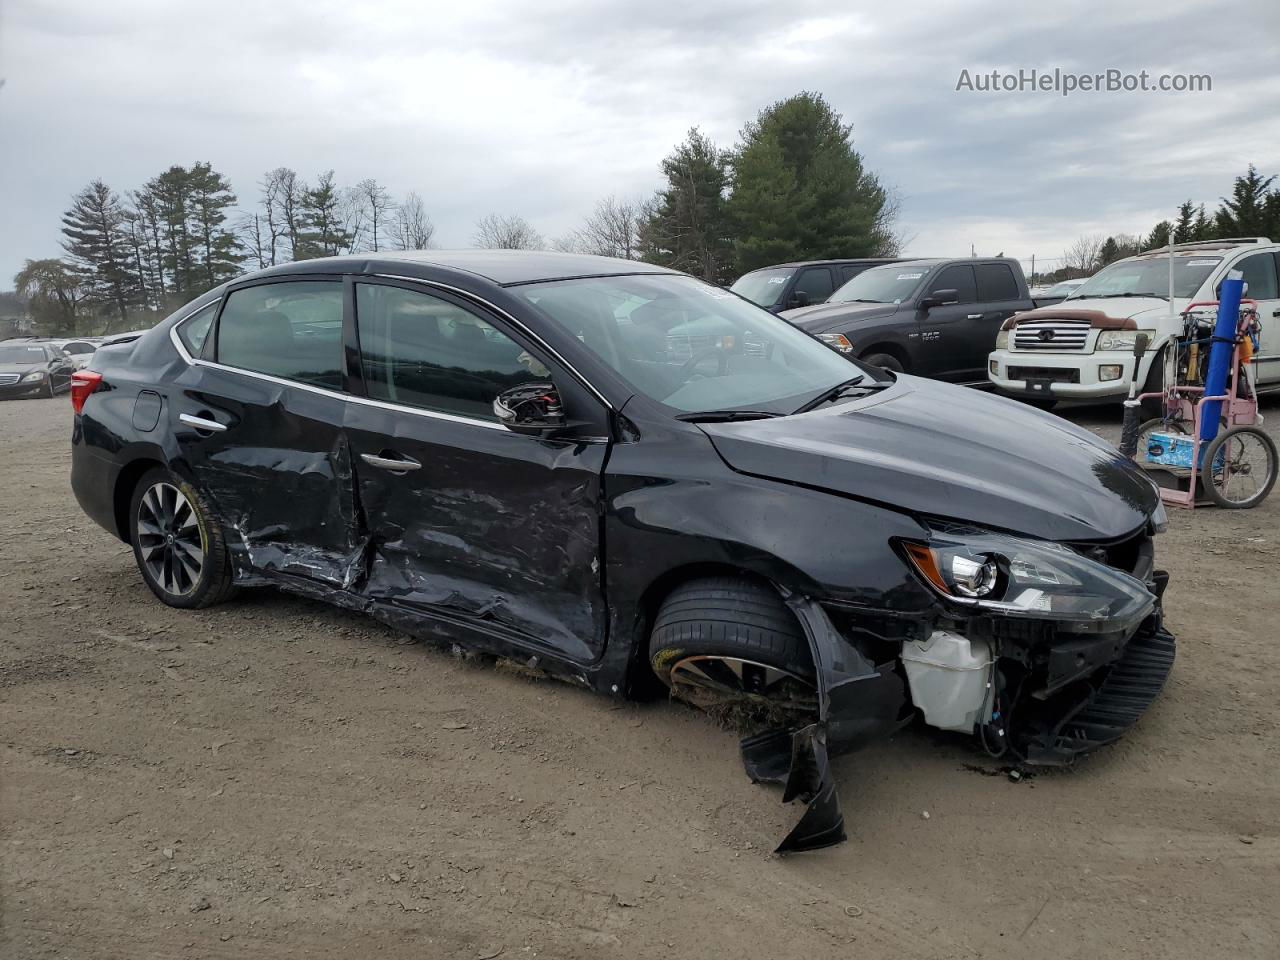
(627, 477)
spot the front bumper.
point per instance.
(1075, 375)
(22, 391)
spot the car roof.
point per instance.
(503, 267)
(823, 263)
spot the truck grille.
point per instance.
(1051, 335)
(6, 379)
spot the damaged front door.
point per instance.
(259, 423)
(468, 520)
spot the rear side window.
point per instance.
(195, 329)
(851, 270)
(996, 282)
(816, 282)
(291, 330)
(1259, 273)
(958, 277)
(423, 351)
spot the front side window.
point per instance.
(291, 330)
(422, 351)
(763, 287)
(816, 282)
(1259, 272)
(958, 278)
(690, 345)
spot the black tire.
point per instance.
(1227, 442)
(166, 550)
(728, 616)
(885, 360)
(48, 388)
(1153, 407)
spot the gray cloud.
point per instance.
(493, 106)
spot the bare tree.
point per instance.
(514, 232)
(611, 230)
(409, 227)
(354, 216)
(376, 207)
(1082, 257)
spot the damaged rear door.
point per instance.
(259, 424)
(468, 520)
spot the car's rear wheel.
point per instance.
(730, 642)
(178, 548)
(885, 360)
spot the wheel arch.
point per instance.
(891, 348)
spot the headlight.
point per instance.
(1159, 518)
(33, 376)
(1121, 339)
(1002, 340)
(1036, 579)
(836, 341)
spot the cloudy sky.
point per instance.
(542, 108)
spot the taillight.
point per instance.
(83, 383)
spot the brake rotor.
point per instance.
(708, 680)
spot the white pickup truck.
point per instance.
(1082, 348)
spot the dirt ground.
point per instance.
(276, 778)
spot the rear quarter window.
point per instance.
(194, 330)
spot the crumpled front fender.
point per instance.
(857, 702)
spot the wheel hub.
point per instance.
(707, 680)
(170, 540)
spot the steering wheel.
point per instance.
(690, 367)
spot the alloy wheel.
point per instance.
(170, 539)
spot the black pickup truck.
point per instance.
(936, 318)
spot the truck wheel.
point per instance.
(730, 641)
(885, 360)
(1153, 407)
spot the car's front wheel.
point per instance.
(177, 545)
(731, 642)
(886, 361)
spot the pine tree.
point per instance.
(323, 232)
(1246, 213)
(218, 251)
(687, 226)
(1184, 227)
(1159, 236)
(801, 191)
(96, 239)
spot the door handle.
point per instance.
(201, 423)
(1275, 313)
(397, 463)
(973, 316)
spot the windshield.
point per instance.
(1062, 289)
(13, 353)
(891, 284)
(763, 286)
(1148, 277)
(693, 346)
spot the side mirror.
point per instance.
(939, 298)
(1140, 343)
(531, 408)
(799, 299)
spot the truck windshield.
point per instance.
(763, 287)
(891, 284)
(692, 346)
(1148, 277)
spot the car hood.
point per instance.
(826, 316)
(937, 450)
(1133, 307)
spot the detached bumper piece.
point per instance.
(799, 760)
(1111, 709)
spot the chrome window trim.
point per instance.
(342, 395)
